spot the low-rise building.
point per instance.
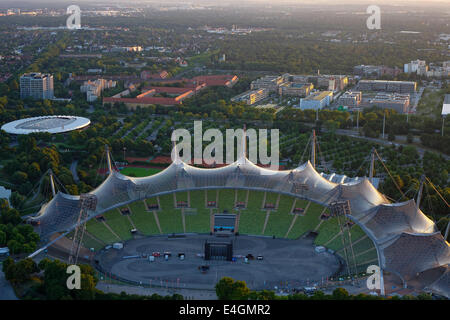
(93, 89)
(271, 83)
(251, 96)
(398, 102)
(351, 99)
(388, 86)
(415, 66)
(295, 89)
(317, 100)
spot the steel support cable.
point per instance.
(321, 154)
(304, 151)
(99, 167)
(429, 200)
(390, 175)
(439, 194)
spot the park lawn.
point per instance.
(169, 217)
(119, 224)
(143, 219)
(199, 220)
(99, 230)
(305, 223)
(251, 220)
(226, 200)
(139, 172)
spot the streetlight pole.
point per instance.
(357, 119)
(443, 121)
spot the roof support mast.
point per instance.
(419, 194)
(313, 149)
(372, 165)
(52, 182)
(108, 159)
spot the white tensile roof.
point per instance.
(407, 241)
(50, 124)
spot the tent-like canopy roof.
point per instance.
(406, 240)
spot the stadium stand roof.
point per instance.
(407, 241)
(446, 105)
(50, 124)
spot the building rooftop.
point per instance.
(319, 96)
(446, 106)
(50, 124)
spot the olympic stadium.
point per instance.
(50, 124)
(183, 205)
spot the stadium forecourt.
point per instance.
(50, 124)
(407, 242)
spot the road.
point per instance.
(6, 291)
(188, 294)
(355, 134)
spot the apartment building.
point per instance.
(36, 85)
(93, 89)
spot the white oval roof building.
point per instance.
(50, 124)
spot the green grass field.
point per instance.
(327, 230)
(252, 219)
(280, 220)
(139, 172)
(242, 195)
(356, 233)
(308, 222)
(271, 197)
(182, 196)
(226, 200)
(99, 230)
(211, 194)
(151, 201)
(169, 218)
(119, 224)
(89, 243)
(200, 221)
(144, 220)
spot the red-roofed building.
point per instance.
(217, 80)
(146, 75)
(173, 95)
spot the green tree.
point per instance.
(228, 289)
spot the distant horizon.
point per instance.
(243, 2)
